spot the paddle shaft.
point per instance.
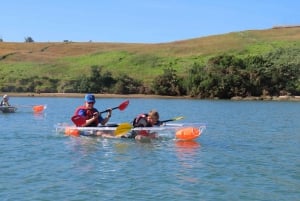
(165, 121)
(173, 119)
(108, 110)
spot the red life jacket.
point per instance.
(141, 121)
(88, 113)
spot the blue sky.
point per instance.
(138, 21)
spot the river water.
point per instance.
(249, 151)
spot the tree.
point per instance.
(168, 84)
(28, 39)
(127, 85)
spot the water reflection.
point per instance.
(39, 115)
(187, 151)
(187, 147)
(82, 145)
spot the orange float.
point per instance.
(38, 108)
(71, 131)
(189, 133)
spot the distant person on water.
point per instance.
(149, 119)
(91, 114)
(4, 101)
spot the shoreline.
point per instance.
(78, 95)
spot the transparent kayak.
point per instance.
(183, 131)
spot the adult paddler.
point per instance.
(91, 114)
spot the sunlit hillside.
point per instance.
(68, 60)
(198, 46)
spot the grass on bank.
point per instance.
(65, 61)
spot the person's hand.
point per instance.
(96, 115)
(109, 113)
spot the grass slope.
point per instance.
(143, 61)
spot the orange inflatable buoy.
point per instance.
(72, 131)
(38, 108)
(188, 133)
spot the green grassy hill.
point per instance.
(67, 61)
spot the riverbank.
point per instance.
(126, 96)
(96, 95)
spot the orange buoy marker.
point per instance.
(71, 131)
(189, 133)
(38, 108)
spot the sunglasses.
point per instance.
(90, 103)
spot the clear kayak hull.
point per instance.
(185, 131)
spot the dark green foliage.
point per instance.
(168, 84)
(226, 76)
(99, 82)
(95, 83)
(127, 85)
(33, 84)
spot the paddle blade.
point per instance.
(122, 129)
(121, 107)
(78, 120)
(38, 108)
(124, 105)
(177, 118)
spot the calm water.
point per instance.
(249, 151)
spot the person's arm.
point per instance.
(159, 123)
(88, 121)
(91, 120)
(103, 121)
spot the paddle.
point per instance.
(80, 120)
(123, 128)
(173, 119)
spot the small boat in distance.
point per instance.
(8, 109)
(13, 109)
